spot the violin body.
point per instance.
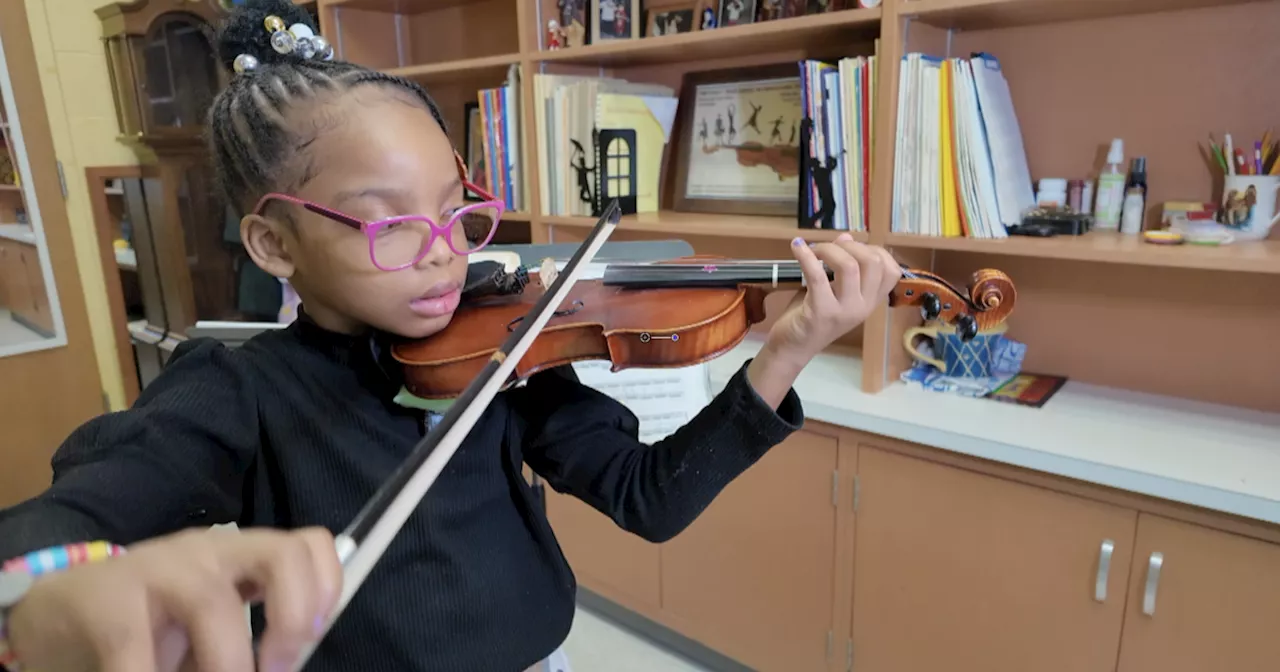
(649, 328)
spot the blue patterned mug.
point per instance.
(953, 356)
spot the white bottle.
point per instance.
(1134, 204)
(1110, 189)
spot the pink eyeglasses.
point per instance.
(400, 242)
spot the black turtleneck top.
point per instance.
(298, 428)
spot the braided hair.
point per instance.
(250, 141)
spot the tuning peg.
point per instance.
(930, 306)
(966, 327)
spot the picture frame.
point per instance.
(473, 149)
(731, 158)
(671, 18)
(615, 20)
(736, 13)
(572, 16)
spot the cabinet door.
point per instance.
(40, 314)
(7, 285)
(1213, 604)
(961, 571)
(753, 577)
(605, 559)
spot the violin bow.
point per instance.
(362, 544)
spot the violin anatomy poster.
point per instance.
(743, 141)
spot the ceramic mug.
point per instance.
(953, 356)
(1249, 205)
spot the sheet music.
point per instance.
(662, 399)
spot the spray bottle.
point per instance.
(1111, 189)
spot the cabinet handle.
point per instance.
(1153, 582)
(1104, 570)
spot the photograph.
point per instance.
(670, 21)
(739, 149)
(573, 22)
(615, 20)
(737, 12)
(473, 153)
(824, 6)
(770, 10)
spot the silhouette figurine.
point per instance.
(753, 121)
(580, 167)
(821, 174)
(702, 134)
(776, 135)
(733, 130)
(719, 130)
(792, 141)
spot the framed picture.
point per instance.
(573, 21)
(615, 20)
(473, 153)
(739, 141)
(737, 12)
(770, 10)
(672, 20)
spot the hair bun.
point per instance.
(245, 32)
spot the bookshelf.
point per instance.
(1101, 308)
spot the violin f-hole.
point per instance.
(577, 305)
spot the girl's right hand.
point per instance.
(178, 603)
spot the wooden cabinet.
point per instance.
(946, 563)
(961, 571)
(22, 288)
(612, 562)
(1213, 604)
(754, 576)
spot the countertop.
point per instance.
(1218, 457)
(23, 233)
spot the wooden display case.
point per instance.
(164, 73)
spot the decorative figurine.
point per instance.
(555, 36)
(708, 18)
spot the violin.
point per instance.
(674, 313)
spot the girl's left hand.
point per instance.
(864, 276)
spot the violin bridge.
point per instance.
(547, 273)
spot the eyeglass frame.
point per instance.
(371, 229)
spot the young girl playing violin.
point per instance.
(355, 195)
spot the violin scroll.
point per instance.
(985, 304)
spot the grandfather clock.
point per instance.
(162, 59)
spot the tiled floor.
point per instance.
(12, 333)
(598, 645)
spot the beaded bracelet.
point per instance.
(48, 561)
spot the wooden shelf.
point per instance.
(698, 224)
(797, 34)
(1112, 248)
(984, 14)
(466, 71)
(516, 217)
(395, 6)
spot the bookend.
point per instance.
(815, 176)
(615, 154)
